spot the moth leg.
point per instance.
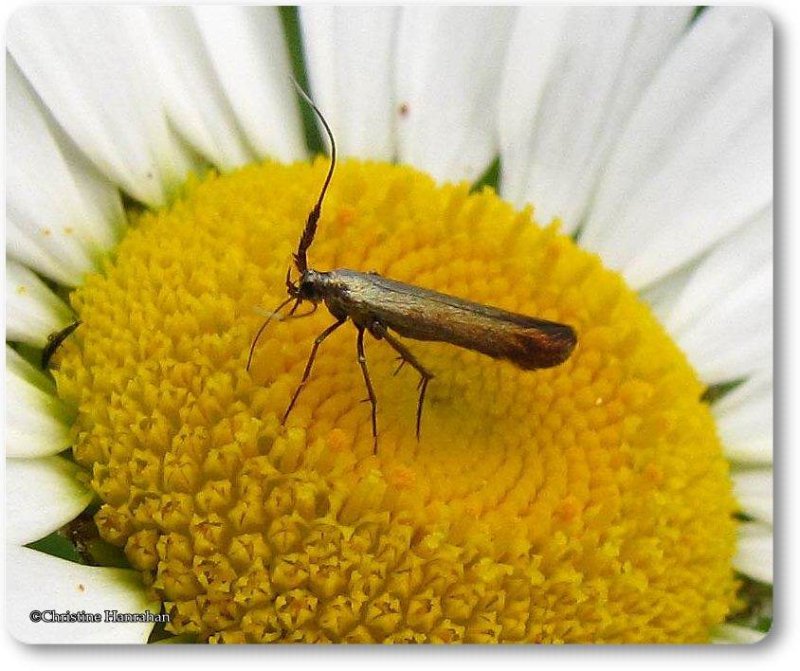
(308, 313)
(317, 342)
(362, 361)
(406, 356)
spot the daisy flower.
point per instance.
(606, 168)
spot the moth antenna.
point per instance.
(310, 229)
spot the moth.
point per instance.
(386, 308)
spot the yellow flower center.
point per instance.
(587, 502)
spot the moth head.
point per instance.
(310, 286)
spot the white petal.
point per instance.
(33, 312)
(723, 316)
(744, 421)
(754, 554)
(734, 337)
(742, 255)
(449, 61)
(529, 70)
(695, 161)
(753, 491)
(37, 422)
(62, 214)
(193, 98)
(42, 495)
(246, 46)
(664, 294)
(350, 54)
(93, 69)
(572, 78)
(731, 633)
(36, 581)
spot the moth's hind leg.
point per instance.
(380, 331)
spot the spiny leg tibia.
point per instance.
(380, 331)
(317, 342)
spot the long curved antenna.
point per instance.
(310, 229)
(263, 326)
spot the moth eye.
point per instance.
(308, 289)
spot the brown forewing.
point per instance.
(423, 314)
